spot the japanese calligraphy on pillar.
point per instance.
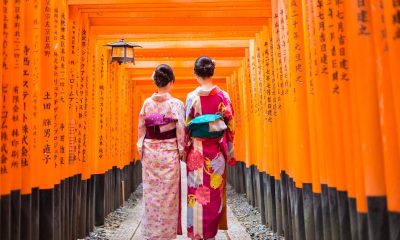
(269, 75)
(297, 72)
(26, 86)
(363, 18)
(331, 12)
(278, 77)
(309, 43)
(47, 96)
(7, 124)
(253, 67)
(83, 93)
(35, 83)
(63, 86)
(260, 75)
(392, 8)
(319, 17)
(29, 95)
(16, 92)
(102, 93)
(284, 51)
(341, 39)
(56, 75)
(248, 83)
(253, 77)
(72, 88)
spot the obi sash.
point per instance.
(160, 127)
(207, 126)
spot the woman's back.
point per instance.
(161, 144)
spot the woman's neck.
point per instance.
(207, 84)
(162, 91)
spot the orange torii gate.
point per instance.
(314, 85)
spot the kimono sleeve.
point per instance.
(230, 131)
(141, 130)
(189, 115)
(180, 128)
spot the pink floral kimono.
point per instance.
(206, 158)
(161, 144)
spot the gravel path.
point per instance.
(116, 218)
(249, 216)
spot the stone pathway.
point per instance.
(130, 229)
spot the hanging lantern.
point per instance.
(122, 52)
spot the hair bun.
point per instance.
(209, 66)
(204, 67)
(163, 75)
(160, 75)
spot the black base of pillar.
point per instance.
(262, 198)
(291, 205)
(326, 218)
(378, 224)
(318, 222)
(394, 225)
(334, 212)
(285, 205)
(57, 212)
(89, 206)
(353, 217)
(67, 200)
(5, 226)
(46, 214)
(242, 181)
(82, 209)
(308, 208)
(26, 217)
(265, 213)
(256, 186)
(15, 214)
(35, 214)
(272, 203)
(249, 186)
(299, 215)
(278, 202)
(344, 216)
(99, 195)
(362, 226)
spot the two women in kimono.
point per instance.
(206, 147)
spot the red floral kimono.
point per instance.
(206, 158)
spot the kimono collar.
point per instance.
(161, 97)
(206, 92)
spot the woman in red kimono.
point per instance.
(210, 128)
(161, 146)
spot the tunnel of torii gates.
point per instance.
(315, 86)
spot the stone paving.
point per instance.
(130, 229)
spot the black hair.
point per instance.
(163, 75)
(204, 67)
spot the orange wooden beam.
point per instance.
(178, 81)
(243, 35)
(107, 2)
(171, 30)
(120, 19)
(182, 64)
(189, 53)
(187, 44)
(147, 72)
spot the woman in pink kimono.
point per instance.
(161, 146)
(210, 126)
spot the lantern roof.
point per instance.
(122, 43)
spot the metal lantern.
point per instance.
(122, 52)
